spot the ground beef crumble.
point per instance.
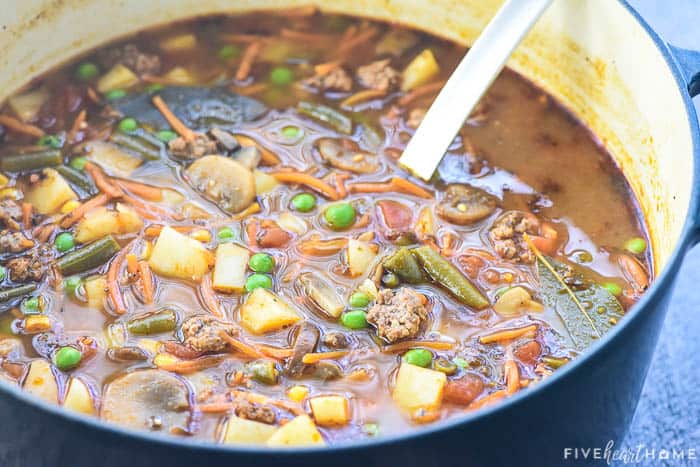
(256, 412)
(379, 75)
(335, 80)
(507, 231)
(14, 242)
(131, 57)
(397, 314)
(200, 146)
(202, 334)
(10, 213)
(31, 267)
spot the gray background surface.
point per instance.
(668, 415)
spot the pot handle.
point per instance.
(689, 63)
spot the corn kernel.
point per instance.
(298, 393)
(202, 235)
(37, 323)
(69, 206)
(164, 359)
(3, 180)
(150, 345)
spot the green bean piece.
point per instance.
(15, 292)
(31, 160)
(90, 256)
(324, 114)
(390, 280)
(444, 273)
(555, 362)
(77, 178)
(139, 142)
(263, 371)
(404, 264)
(155, 323)
(445, 366)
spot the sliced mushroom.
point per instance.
(148, 399)
(228, 183)
(248, 156)
(321, 294)
(345, 154)
(305, 342)
(465, 204)
(224, 139)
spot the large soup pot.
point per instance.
(598, 58)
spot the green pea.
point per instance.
(71, 285)
(228, 52)
(636, 245)
(166, 136)
(304, 202)
(51, 141)
(359, 300)
(31, 306)
(78, 163)
(460, 362)
(390, 280)
(418, 357)
(612, 287)
(87, 71)
(445, 366)
(281, 76)
(355, 319)
(257, 281)
(261, 262)
(291, 131)
(128, 125)
(115, 94)
(371, 429)
(340, 215)
(67, 358)
(3, 273)
(64, 242)
(151, 88)
(225, 234)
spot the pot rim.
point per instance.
(659, 286)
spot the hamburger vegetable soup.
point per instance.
(205, 233)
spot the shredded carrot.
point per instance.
(103, 183)
(246, 349)
(251, 230)
(113, 289)
(172, 119)
(396, 184)
(507, 334)
(44, 232)
(149, 211)
(249, 211)
(267, 157)
(311, 358)
(77, 125)
(318, 247)
(27, 209)
(76, 214)
(17, 126)
(315, 38)
(277, 353)
(150, 193)
(246, 64)
(488, 400)
(209, 297)
(362, 96)
(307, 180)
(261, 399)
(356, 40)
(132, 264)
(154, 230)
(191, 366)
(216, 407)
(406, 345)
(340, 183)
(92, 95)
(420, 91)
(250, 90)
(512, 376)
(146, 281)
(322, 69)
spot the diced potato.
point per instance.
(112, 158)
(322, 293)
(292, 223)
(79, 398)
(264, 311)
(230, 268)
(242, 431)
(172, 197)
(369, 288)
(50, 193)
(100, 222)
(96, 292)
(180, 75)
(41, 381)
(514, 301)
(418, 388)
(301, 431)
(330, 410)
(359, 256)
(177, 255)
(264, 183)
(119, 77)
(26, 106)
(420, 71)
(179, 43)
(151, 346)
(193, 211)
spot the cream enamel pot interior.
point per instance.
(595, 56)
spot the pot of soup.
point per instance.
(209, 254)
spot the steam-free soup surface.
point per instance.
(206, 233)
